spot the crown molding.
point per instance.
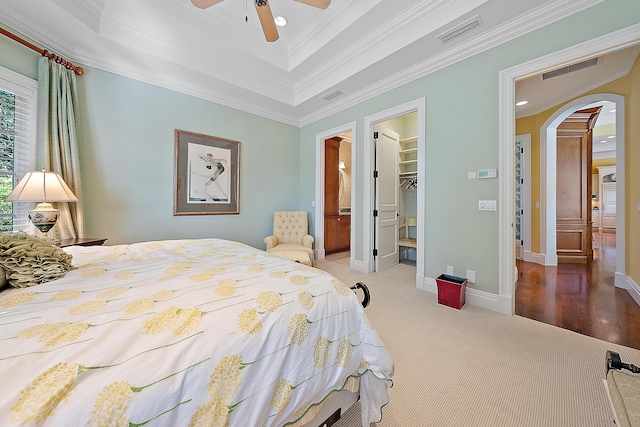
(416, 21)
(339, 17)
(280, 92)
(87, 12)
(202, 90)
(32, 31)
(508, 31)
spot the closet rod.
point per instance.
(78, 70)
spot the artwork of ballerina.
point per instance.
(208, 181)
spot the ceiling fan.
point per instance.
(264, 13)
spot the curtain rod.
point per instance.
(78, 70)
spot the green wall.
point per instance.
(127, 158)
(462, 132)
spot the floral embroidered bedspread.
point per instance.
(203, 332)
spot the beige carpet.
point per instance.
(474, 367)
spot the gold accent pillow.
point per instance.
(29, 260)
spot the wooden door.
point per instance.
(387, 198)
(573, 187)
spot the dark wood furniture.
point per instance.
(84, 241)
(573, 186)
(337, 228)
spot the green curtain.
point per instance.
(58, 140)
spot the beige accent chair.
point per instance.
(290, 236)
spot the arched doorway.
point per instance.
(548, 143)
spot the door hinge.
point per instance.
(375, 135)
(522, 150)
(375, 174)
(521, 211)
(375, 212)
(375, 252)
(521, 242)
(522, 181)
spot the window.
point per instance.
(17, 144)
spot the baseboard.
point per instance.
(475, 297)
(359, 266)
(535, 258)
(626, 282)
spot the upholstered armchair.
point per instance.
(291, 236)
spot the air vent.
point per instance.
(330, 95)
(570, 68)
(460, 29)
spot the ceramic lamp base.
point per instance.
(44, 217)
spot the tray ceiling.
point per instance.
(359, 48)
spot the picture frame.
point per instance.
(207, 171)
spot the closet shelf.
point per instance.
(409, 151)
(408, 140)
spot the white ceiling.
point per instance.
(358, 47)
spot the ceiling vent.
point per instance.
(571, 68)
(330, 95)
(460, 29)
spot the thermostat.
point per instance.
(487, 173)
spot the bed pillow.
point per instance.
(29, 260)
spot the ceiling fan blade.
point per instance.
(203, 4)
(266, 20)
(322, 4)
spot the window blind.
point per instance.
(17, 144)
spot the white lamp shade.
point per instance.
(42, 186)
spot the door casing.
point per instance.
(319, 202)
(621, 39)
(419, 106)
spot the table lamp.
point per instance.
(43, 187)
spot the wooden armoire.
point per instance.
(573, 187)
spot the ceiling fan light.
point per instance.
(280, 21)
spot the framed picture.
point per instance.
(206, 174)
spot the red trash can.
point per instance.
(451, 290)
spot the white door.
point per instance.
(386, 203)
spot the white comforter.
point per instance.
(184, 333)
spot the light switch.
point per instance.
(487, 205)
(487, 173)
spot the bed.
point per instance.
(204, 332)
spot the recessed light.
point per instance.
(602, 142)
(611, 136)
(612, 111)
(280, 21)
(520, 103)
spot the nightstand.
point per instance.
(85, 241)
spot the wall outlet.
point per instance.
(449, 269)
(471, 276)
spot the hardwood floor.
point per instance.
(581, 297)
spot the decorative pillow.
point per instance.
(29, 260)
